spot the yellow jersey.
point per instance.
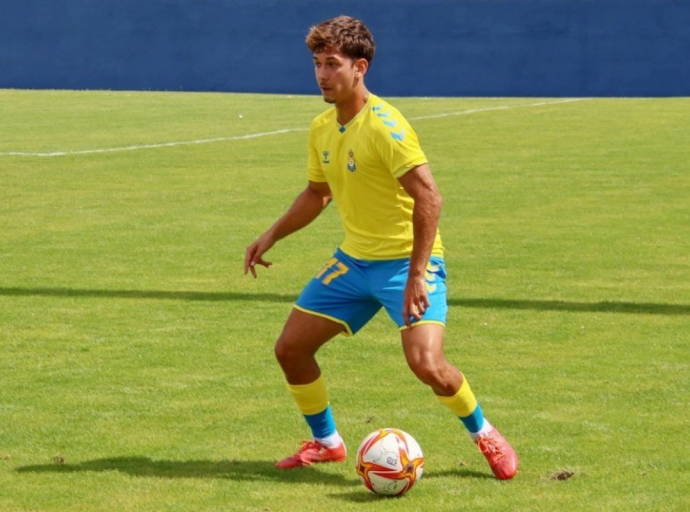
(361, 162)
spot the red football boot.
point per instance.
(501, 456)
(311, 452)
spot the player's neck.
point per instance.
(348, 109)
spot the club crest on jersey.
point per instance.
(326, 154)
(351, 166)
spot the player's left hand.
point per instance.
(415, 300)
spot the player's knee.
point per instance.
(426, 371)
(283, 352)
(433, 373)
(288, 352)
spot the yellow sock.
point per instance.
(310, 398)
(463, 403)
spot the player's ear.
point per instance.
(361, 67)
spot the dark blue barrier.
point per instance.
(425, 47)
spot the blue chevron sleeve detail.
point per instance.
(399, 136)
(390, 123)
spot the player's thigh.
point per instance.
(305, 333)
(423, 346)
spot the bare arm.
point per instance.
(306, 207)
(420, 185)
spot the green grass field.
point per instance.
(136, 359)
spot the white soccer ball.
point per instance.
(389, 462)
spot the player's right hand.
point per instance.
(253, 256)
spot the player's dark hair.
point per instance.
(345, 34)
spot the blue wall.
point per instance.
(425, 47)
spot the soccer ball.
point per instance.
(389, 462)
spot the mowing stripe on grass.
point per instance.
(262, 134)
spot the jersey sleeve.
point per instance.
(398, 145)
(314, 169)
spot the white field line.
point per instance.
(151, 146)
(501, 107)
(263, 134)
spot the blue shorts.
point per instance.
(351, 291)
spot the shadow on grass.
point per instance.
(239, 470)
(145, 294)
(360, 497)
(575, 307)
(459, 473)
(519, 304)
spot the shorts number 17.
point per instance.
(332, 269)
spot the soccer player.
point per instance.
(365, 156)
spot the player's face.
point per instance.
(336, 75)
